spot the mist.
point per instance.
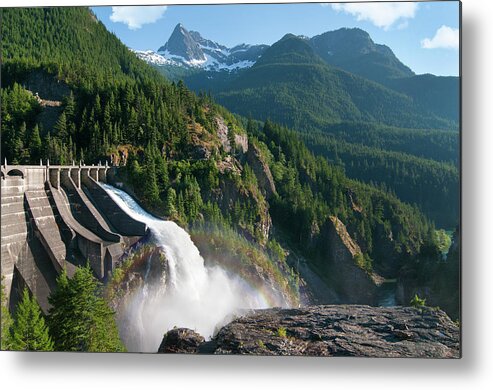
(190, 294)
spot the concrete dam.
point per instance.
(59, 217)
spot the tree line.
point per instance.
(79, 319)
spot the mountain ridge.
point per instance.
(206, 65)
(292, 85)
(189, 49)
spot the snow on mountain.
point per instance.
(189, 49)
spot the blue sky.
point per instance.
(424, 36)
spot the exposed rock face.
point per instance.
(241, 142)
(182, 44)
(348, 245)
(339, 330)
(353, 284)
(222, 133)
(229, 194)
(46, 85)
(50, 92)
(181, 340)
(261, 170)
(190, 49)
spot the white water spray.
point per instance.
(191, 295)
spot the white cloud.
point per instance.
(445, 38)
(135, 17)
(403, 25)
(382, 15)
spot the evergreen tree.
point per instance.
(6, 320)
(151, 189)
(80, 319)
(35, 143)
(162, 173)
(29, 330)
(170, 204)
(61, 128)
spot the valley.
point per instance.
(260, 177)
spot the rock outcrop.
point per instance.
(181, 340)
(223, 133)
(334, 330)
(354, 284)
(261, 169)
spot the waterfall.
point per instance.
(191, 295)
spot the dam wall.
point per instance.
(56, 218)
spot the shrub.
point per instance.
(281, 332)
(417, 301)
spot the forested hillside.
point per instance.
(438, 145)
(430, 184)
(292, 85)
(353, 50)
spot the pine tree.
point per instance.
(162, 173)
(61, 127)
(35, 143)
(170, 204)
(29, 331)
(6, 320)
(69, 109)
(151, 189)
(80, 319)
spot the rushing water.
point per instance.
(190, 295)
(386, 295)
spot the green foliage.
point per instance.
(114, 102)
(136, 259)
(291, 85)
(438, 94)
(29, 330)
(353, 50)
(443, 240)
(150, 190)
(19, 110)
(281, 332)
(438, 145)
(170, 203)
(114, 97)
(310, 189)
(245, 258)
(276, 250)
(80, 319)
(363, 261)
(417, 301)
(432, 185)
(6, 320)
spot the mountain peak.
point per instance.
(190, 49)
(289, 49)
(181, 44)
(352, 49)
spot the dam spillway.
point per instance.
(55, 218)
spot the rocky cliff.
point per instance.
(261, 169)
(340, 266)
(334, 330)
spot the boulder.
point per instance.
(181, 340)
